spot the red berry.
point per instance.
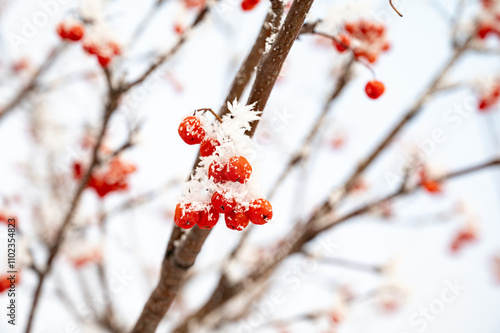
(249, 4)
(343, 43)
(223, 202)
(236, 220)
(76, 32)
(208, 146)
(90, 47)
(115, 48)
(432, 186)
(73, 32)
(238, 169)
(374, 89)
(217, 172)
(185, 217)
(484, 30)
(260, 211)
(61, 30)
(208, 218)
(104, 60)
(191, 130)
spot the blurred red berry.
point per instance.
(374, 89)
(249, 4)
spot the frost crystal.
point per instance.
(230, 133)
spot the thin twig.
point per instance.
(33, 81)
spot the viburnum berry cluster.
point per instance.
(104, 50)
(367, 39)
(489, 19)
(71, 30)
(112, 178)
(223, 182)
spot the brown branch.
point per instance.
(111, 106)
(345, 263)
(299, 155)
(395, 9)
(327, 205)
(403, 192)
(175, 266)
(164, 57)
(33, 81)
(240, 82)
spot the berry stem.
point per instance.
(210, 110)
(395, 9)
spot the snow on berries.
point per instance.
(374, 89)
(223, 182)
(71, 30)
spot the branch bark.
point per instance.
(179, 259)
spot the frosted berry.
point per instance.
(208, 146)
(260, 211)
(223, 203)
(191, 130)
(185, 217)
(249, 4)
(236, 220)
(217, 172)
(208, 218)
(374, 89)
(238, 169)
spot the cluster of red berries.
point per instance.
(247, 5)
(72, 31)
(75, 31)
(236, 169)
(489, 19)
(105, 52)
(489, 98)
(113, 179)
(374, 89)
(366, 39)
(237, 216)
(464, 236)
